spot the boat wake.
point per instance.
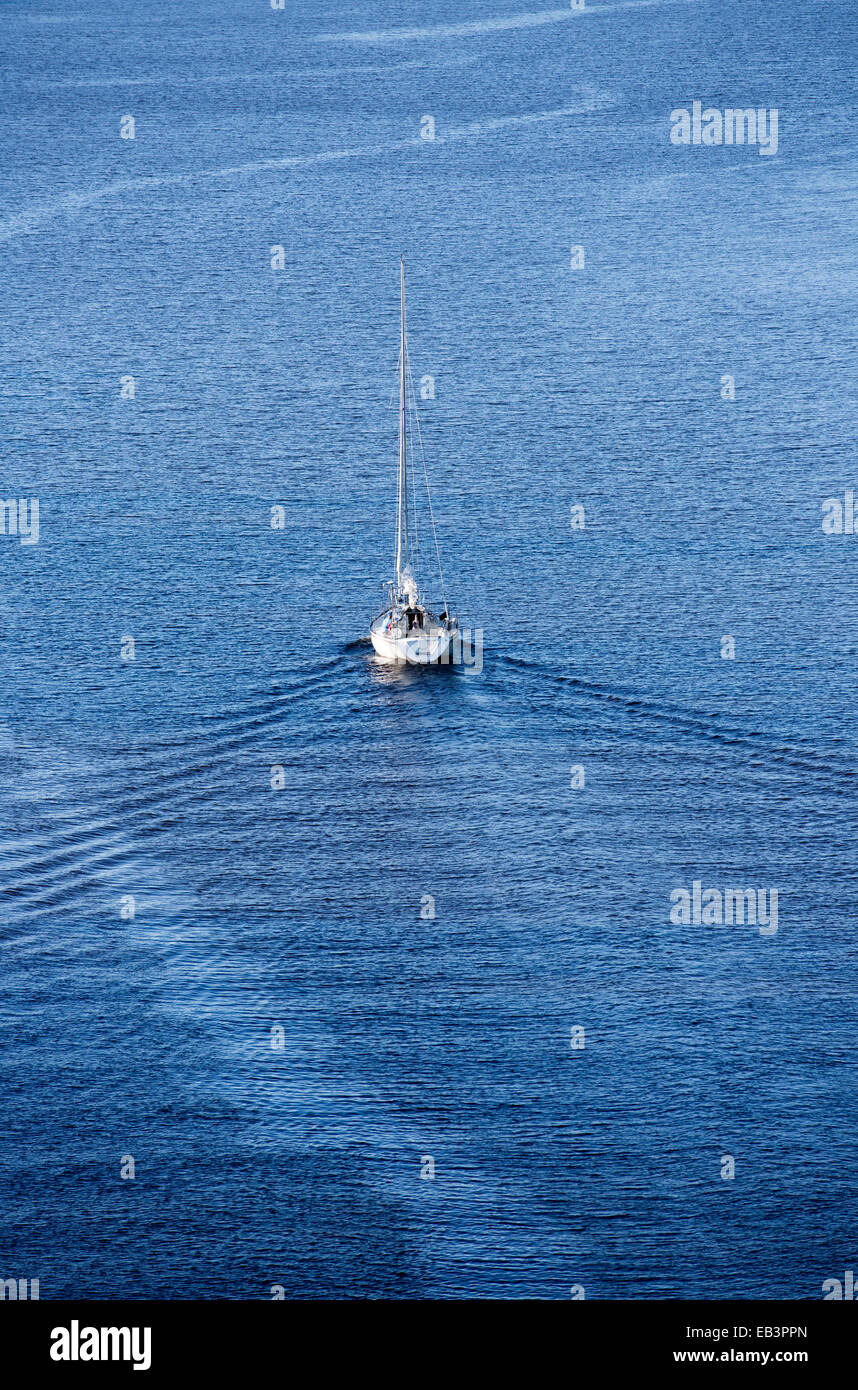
(629, 712)
(228, 79)
(30, 219)
(74, 854)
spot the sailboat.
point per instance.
(407, 630)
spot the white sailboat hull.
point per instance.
(416, 649)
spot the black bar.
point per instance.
(237, 1339)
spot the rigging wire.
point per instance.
(389, 406)
(411, 412)
(413, 418)
(410, 379)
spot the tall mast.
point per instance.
(402, 495)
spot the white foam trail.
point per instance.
(452, 31)
(29, 219)
(489, 26)
(46, 18)
(598, 103)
